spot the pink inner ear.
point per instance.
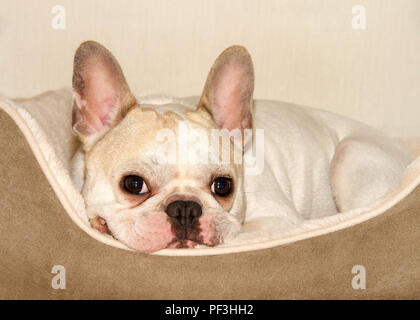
(231, 95)
(97, 103)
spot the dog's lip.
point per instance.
(182, 244)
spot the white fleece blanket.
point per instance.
(45, 121)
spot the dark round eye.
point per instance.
(134, 184)
(222, 186)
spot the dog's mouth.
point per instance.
(184, 236)
(182, 244)
(187, 236)
(100, 224)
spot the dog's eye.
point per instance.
(134, 184)
(222, 186)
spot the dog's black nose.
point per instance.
(186, 212)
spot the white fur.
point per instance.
(300, 146)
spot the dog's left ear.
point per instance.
(229, 88)
(102, 96)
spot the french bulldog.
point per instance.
(315, 163)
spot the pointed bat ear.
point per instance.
(101, 94)
(229, 89)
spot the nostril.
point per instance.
(175, 209)
(194, 209)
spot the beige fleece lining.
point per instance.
(29, 115)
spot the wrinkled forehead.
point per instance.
(155, 134)
(137, 133)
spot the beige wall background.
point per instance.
(305, 52)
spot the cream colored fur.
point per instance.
(315, 164)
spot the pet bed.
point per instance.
(43, 224)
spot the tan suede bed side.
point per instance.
(36, 234)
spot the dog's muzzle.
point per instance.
(184, 217)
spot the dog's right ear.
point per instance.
(101, 94)
(229, 88)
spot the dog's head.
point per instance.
(145, 200)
